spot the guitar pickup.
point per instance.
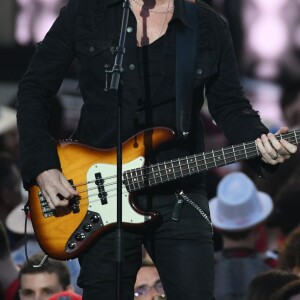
(101, 191)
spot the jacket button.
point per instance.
(92, 49)
(131, 67)
(129, 29)
(199, 71)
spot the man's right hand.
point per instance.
(55, 188)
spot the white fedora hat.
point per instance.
(15, 221)
(8, 119)
(238, 205)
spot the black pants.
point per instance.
(182, 251)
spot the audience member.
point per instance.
(41, 283)
(290, 104)
(289, 254)
(148, 285)
(237, 212)
(9, 137)
(285, 217)
(266, 284)
(10, 183)
(8, 278)
(290, 291)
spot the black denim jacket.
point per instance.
(88, 31)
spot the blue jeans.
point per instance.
(182, 251)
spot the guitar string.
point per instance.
(230, 159)
(137, 182)
(235, 158)
(215, 156)
(112, 190)
(96, 195)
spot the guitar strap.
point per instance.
(186, 47)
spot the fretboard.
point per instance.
(137, 179)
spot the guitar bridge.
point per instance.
(46, 209)
(74, 202)
(49, 212)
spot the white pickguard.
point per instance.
(108, 212)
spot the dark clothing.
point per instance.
(234, 270)
(182, 251)
(88, 30)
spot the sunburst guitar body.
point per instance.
(64, 234)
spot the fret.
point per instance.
(233, 151)
(187, 171)
(146, 176)
(163, 173)
(172, 170)
(196, 163)
(224, 156)
(156, 173)
(295, 137)
(257, 152)
(214, 158)
(127, 180)
(180, 167)
(205, 163)
(245, 149)
(219, 158)
(152, 179)
(165, 166)
(192, 164)
(186, 166)
(134, 180)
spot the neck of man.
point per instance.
(248, 242)
(154, 3)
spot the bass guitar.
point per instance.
(64, 233)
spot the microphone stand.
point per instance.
(117, 71)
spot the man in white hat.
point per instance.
(237, 212)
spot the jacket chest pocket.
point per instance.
(94, 51)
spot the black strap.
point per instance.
(186, 46)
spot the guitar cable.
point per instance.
(45, 258)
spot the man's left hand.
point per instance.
(275, 151)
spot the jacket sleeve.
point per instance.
(41, 82)
(226, 101)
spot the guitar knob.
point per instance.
(71, 245)
(87, 227)
(95, 218)
(79, 236)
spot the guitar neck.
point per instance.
(137, 179)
